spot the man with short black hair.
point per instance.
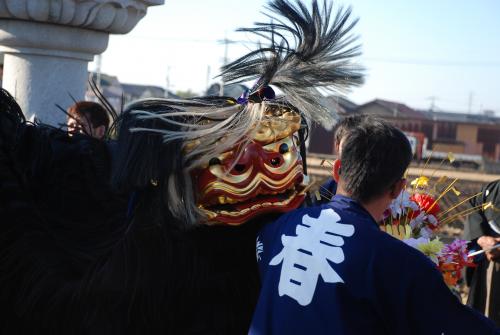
(88, 117)
(329, 188)
(330, 269)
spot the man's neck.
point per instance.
(375, 208)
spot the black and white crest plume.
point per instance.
(308, 51)
(165, 139)
(320, 58)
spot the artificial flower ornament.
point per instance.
(403, 203)
(415, 217)
(432, 249)
(452, 259)
(420, 182)
(426, 203)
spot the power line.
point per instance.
(168, 39)
(471, 95)
(485, 63)
(426, 62)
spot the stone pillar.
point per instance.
(46, 64)
(48, 45)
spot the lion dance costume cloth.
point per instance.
(154, 232)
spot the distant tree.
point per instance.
(186, 94)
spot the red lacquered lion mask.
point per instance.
(263, 175)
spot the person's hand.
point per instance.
(486, 242)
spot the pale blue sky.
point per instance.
(412, 50)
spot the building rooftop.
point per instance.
(145, 91)
(340, 105)
(395, 109)
(230, 90)
(461, 117)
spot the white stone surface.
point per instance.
(48, 44)
(17, 36)
(40, 82)
(113, 16)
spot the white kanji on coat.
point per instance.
(259, 249)
(305, 256)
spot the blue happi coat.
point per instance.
(330, 270)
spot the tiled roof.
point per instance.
(340, 104)
(145, 91)
(230, 90)
(461, 117)
(399, 109)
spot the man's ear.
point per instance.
(336, 170)
(99, 132)
(397, 188)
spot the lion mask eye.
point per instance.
(214, 161)
(283, 148)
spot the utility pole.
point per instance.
(226, 43)
(433, 102)
(208, 77)
(98, 71)
(471, 96)
(167, 89)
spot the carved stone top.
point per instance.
(113, 16)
